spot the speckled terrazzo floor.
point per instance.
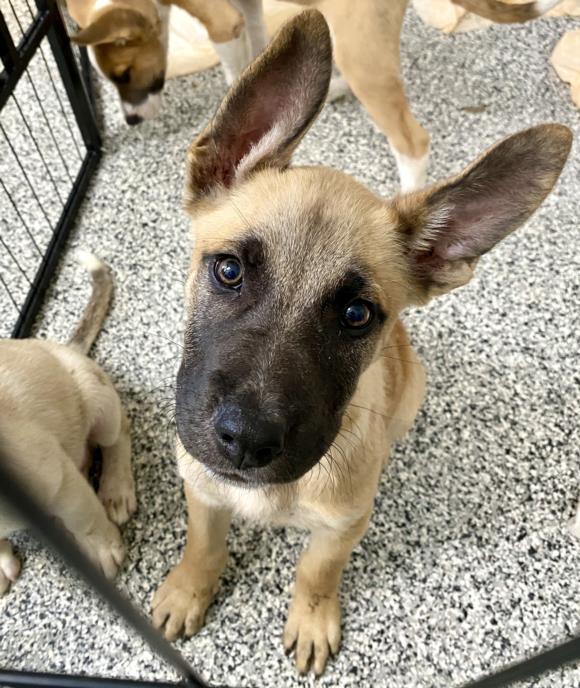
(467, 564)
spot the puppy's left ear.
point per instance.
(445, 229)
(267, 111)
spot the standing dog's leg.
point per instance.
(313, 625)
(9, 566)
(221, 19)
(234, 56)
(65, 493)
(366, 44)
(254, 17)
(182, 601)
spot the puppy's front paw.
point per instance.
(313, 631)
(181, 602)
(105, 547)
(118, 498)
(9, 566)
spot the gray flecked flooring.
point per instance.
(467, 564)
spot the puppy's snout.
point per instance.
(248, 438)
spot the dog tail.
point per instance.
(94, 314)
(504, 13)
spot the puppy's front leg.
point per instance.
(182, 600)
(313, 626)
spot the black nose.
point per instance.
(247, 437)
(132, 120)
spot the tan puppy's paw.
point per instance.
(9, 566)
(105, 547)
(118, 498)
(313, 631)
(180, 604)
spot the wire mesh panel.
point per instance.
(49, 146)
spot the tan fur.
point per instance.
(316, 224)
(55, 405)
(501, 12)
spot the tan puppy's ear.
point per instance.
(446, 228)
(267, 111)
(114, 26)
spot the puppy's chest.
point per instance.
(282, 506)
(281, 510)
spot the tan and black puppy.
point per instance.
(292, 386)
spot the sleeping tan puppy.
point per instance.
(55, 406)
(297, 374)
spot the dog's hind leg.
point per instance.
(53, 478)
(182, 600)
(109, 429)
(313, 626)
(366, 46)
(117, 487)
(9, 566)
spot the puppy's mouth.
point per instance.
(241, 479)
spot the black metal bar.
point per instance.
(46, 270)
(537, 665)
(76, 91)
(29, 679)
(26, 50)
(21, 503)
(8, 53)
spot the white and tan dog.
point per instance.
(297, 374)
(128, 41)
(56, 405)
(366, 37)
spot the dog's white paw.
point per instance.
(312, 631)
(105, 547)
(9, 566)
(117, 495)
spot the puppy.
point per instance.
(297, 374)
(128, 40)
(55, 406)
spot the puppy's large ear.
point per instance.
(267, 111)
(116, 25)
(446, 228)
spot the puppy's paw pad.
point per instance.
(119, 499)
(179, 606)
(313, 632)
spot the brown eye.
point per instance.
(229, 271)
(357, 315)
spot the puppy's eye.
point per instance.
(357, 315)
(229, 271)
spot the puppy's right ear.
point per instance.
(116, 25)
(267, 111)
